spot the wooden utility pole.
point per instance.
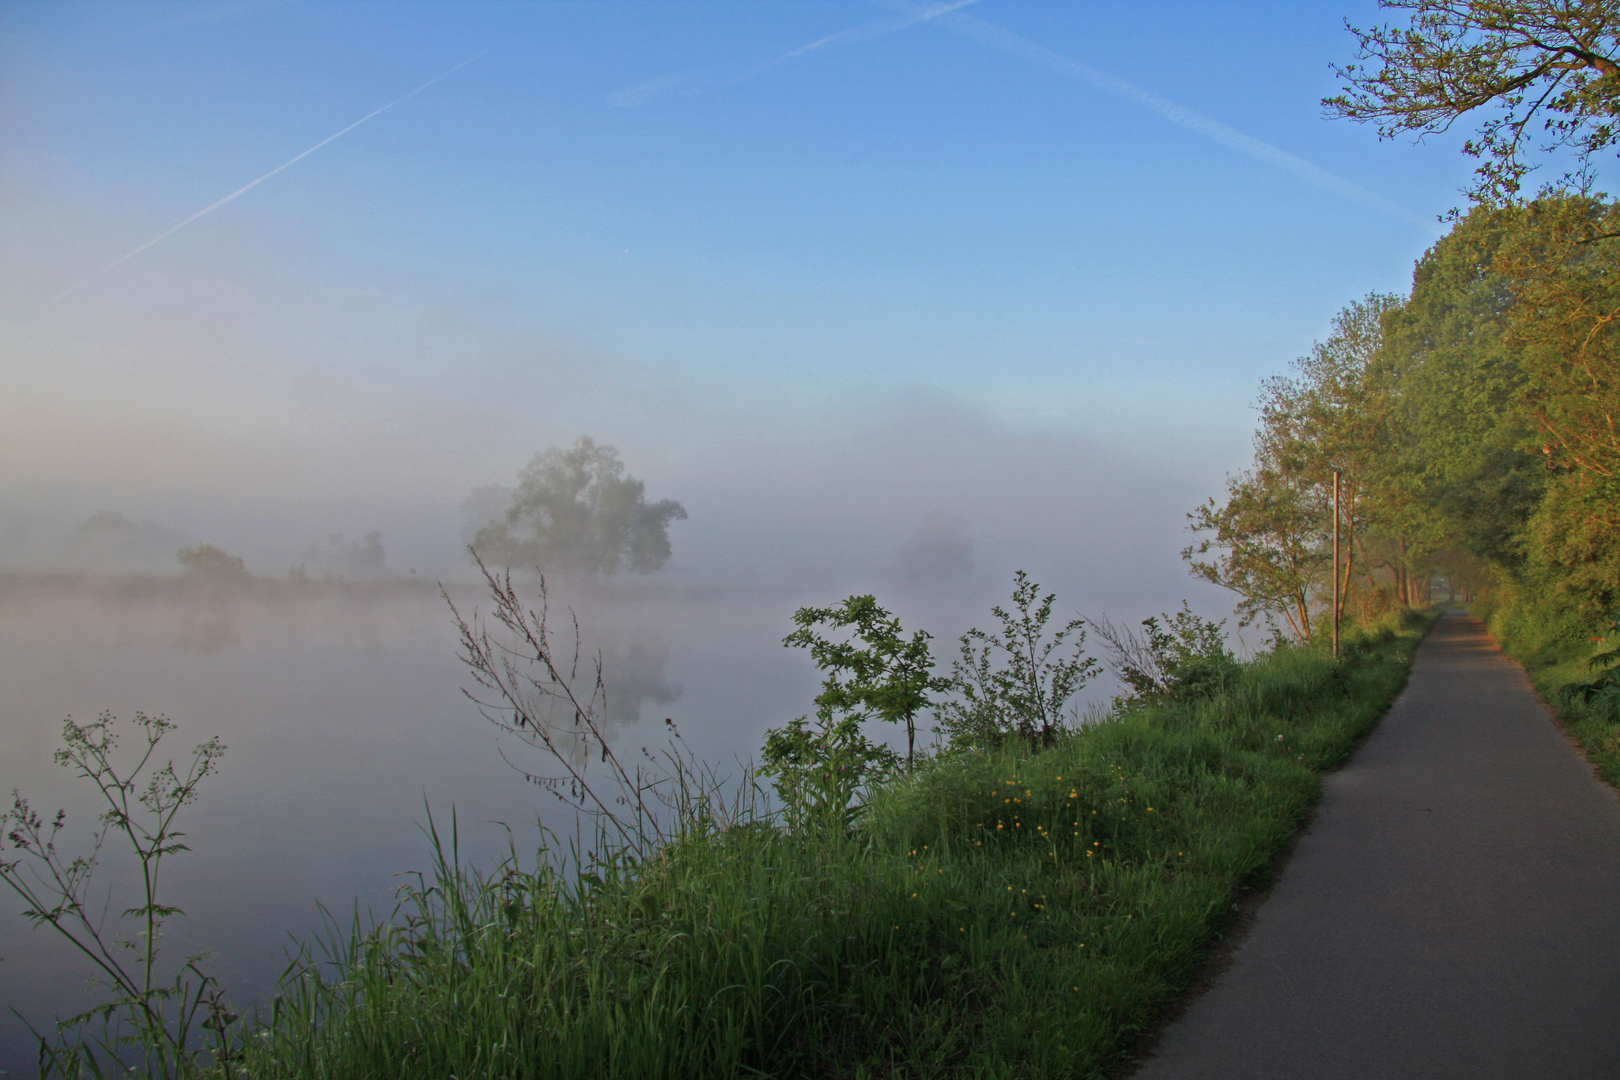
(1335, 564)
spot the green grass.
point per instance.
(1007, 914)
(1596, 731)
(1554, 648)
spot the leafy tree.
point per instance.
(1331, 417)
(1566, 328)
(1016, 683)
(1511, 388)
(876, 671)
(1266, 543)
(1551, 69)
(1336, 414)
(208, 563)
(575, 510)
(1476, 425)
(1459, 486)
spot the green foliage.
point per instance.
(1192, 654)
(1547, 66)
(1564, 261)
(876, 672)
(1508, 353)
(1462, 488)
(1015, 912)
(1510, 370)
(1016, 683)
(1332, 426)
(1265, 543)
(149, 1024)
(208, 563)
(821, 770)
(574, 510)
(1602, 692)
(1179, 657)
(1476, 429)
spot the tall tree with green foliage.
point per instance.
(575, 510)
(1475, 425)
(1565, 327)
(1266, 543)
(1330, 417)
(1272, 541)
(1551, 71)
(1457, 429)
(1549, 68)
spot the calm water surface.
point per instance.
(344, 718)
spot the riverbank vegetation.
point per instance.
(1024, 899)
(1012, 911)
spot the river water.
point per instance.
(345, 721)
(343, 712)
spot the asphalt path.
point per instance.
(1452, 911)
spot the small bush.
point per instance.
(1015, 683)
(1179, 657)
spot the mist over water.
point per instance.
(344, 720)
(326, 659)
(340, 696)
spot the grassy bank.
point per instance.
(1554, 646)
(1006, 913)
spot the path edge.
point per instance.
(1252, 893)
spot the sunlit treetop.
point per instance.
(1550, 69)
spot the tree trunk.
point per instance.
(1403, 584)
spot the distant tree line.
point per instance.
(1472, 422)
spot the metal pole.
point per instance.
(1335, 564)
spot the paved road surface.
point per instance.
(1453, 911)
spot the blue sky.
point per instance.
(672, 226)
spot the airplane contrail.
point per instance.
(864, 32)
(985, 33)
(641, 93)
(211, 207)
(948, 16)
